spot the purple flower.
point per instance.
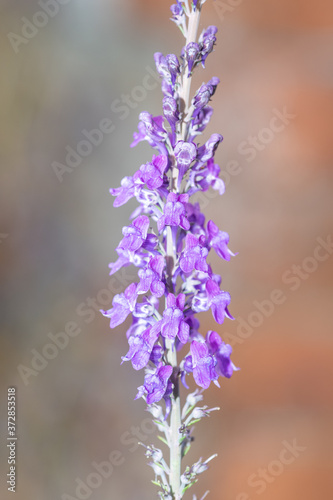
(185, 153)
(207, 47)
(170, 110)
(194, 255)
(135, 234)
(213, 82)
(212, 177)
(174, 260)
(156, 354)
(222, 353)
(140, 350)
(124, 259)
(162, 66)
(207, 150)
(173, 323)
(150, 243)
(174, 212)
(151, 277)
(122, 305)
(202, 97)
(215, 299)
(151, 173)
(153, 126)
(155, 384)
(151, 129)
(123, 193)
(173, 65)
(204, 178)
(200, 121)
(187, 367)
(138, 326)
(146, 309)
(218, 301)
(176, 9)
(191, 52)
(219, 241)
(211, 30)
(207, 41)
(203, 365)
(196, 218)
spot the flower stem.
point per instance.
(175, 418)
(175, 423)
(184, 94)
(185, 84)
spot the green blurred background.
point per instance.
(58, 234)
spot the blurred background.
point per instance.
(89, 65)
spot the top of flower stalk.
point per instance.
(168, 240)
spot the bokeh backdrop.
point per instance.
(88, 64)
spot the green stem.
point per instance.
(175, 423)
(175, 417)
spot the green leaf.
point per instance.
(193, 422)
(161, 438)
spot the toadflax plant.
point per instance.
(168, 240)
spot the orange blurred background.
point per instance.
(58, 233)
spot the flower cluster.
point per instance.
(168, 239)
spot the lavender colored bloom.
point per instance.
(191, 53)
(211, 30)
(150, 243)
(188, 364)
(146, 309)
(207, 47)
(202, 98)
(155, 384)
(204, 178)
(212, 177)
(138, 326)
(151, 129)
(194, 255)
(124, 259)
(151, 277)
(173, 65)
(174, 212)
(185, 153)
(173, 323)
(156, 354)
(203, 365)
(213, 82)
(222, 352)
(123, 193)
(122, 305)
(177, 8)
(162, 66)
(218, 301)
(196, 218)
(151, 173)
(206, 152)
(187, 367)
(219, 241)
(215, 299)
(140, 350)
(153, 126)
(175, 282)
(200, 121)
(207, 41)
(177, 13)
(135, 234)
(170, 111)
